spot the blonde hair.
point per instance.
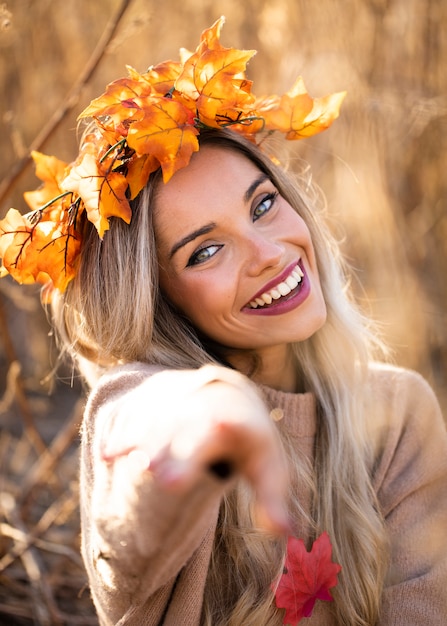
(114, 311)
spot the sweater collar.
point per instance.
(295, 411)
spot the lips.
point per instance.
(281, 288)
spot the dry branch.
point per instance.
(42, 469)
(15, 385)
(70, 101)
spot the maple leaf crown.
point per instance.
(142, 123)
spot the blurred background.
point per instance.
(382, 167)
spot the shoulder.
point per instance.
(399, 397)
(392, 381)
(407, 428)
(112, 386)
(119, 380)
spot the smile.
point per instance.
(281, 290)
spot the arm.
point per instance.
(412, 488)
(148, 500)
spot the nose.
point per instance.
(261, 253)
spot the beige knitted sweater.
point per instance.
(147, 552)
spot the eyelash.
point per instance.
(194, 259)
(270, 197)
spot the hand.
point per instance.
(182, 424)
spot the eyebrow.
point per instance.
(207, 228)
(196, 233)
(255, 184)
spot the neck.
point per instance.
(275, 367)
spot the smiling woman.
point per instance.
(246, 241)
(237, 415)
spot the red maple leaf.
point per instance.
(307, 577)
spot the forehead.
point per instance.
(213, 181)
(210, 167)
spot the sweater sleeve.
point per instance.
(137, 539)
(411, 482)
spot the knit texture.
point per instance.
(147, 552)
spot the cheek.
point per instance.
(299, 226)
(293, 227)
(199, 297)
(296, 224)
(176, 293)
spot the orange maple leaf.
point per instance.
(51, 171)
(113, 101)
(138, 171)
(214, 77)
(162, 77)
(212, 70)
(22, 244)
(225, 102)
(167, 133)
(110, 132)
(297, 114)
(103, 191)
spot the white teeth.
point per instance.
(282, 289)
(266, 298)
(291, 282)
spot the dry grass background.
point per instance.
(382, 167)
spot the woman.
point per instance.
(239, 403)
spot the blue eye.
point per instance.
(264, 206)
(202, 255)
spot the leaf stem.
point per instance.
(119, 143)
(246, 120)
(49, 203)
(243, 121)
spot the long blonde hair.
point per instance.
(114, 311)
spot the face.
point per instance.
(234, 256)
